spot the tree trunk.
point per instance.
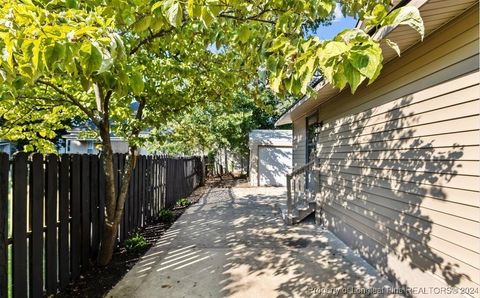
(107, 244)
(114, 203)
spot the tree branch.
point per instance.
(150, 38)
(71, 99)
(139, 116)
(247, 19)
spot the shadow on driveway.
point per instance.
(233, 243)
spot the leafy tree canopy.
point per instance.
(95, 58)
(226, 124)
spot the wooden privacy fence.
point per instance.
(51, 213)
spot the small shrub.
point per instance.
(166, 215)
(136, 243)
(183, 202)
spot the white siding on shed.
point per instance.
(274, 163)
(270, 156)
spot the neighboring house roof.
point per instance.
(434, 14)
(270, 137)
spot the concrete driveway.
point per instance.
(233, 243)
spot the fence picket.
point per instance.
(94, 206)
(63, 242)
(4, 174)
(85, 206)
(19, 249)
(51, 220)
(75, 230)
(141, 212)
(36, 226)
(121, 167)
(101, 197)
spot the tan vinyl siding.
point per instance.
(299, 142)
(399, 162)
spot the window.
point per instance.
(68, 146)
(312, 136)
(90, 147)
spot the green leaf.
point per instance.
(271, 64)
(190, 7)
(85, 82)
(278, 43)
(3, 76)
(156, 5)
(54, 54)
(338, 78)
(244, 34)
(407, 15)
(136, 83)
(376, 74)
(157, 23)
(331, 50)
(92, 58)
(378, 14)
(366, 59)
(173, 12)
(206, 16)
(36, 51)
(71, 3)
(276, 81)
(142, 24)
(353, 76)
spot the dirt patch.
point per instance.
(226, 181)
(98, 281)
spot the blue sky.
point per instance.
(340, 23)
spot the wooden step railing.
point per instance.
(302, 187)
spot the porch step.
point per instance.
(298, 214)
(303, 213)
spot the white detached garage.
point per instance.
(270, 157)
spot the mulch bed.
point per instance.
(98, 281)
(227, 181)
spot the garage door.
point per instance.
(274, 163)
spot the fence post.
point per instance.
(4, 173)
(289, 197)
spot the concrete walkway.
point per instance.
(233, 243)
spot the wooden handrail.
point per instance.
(301, 169)
(291, 194)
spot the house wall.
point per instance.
(81, 147)
(299, 142)
(5, 147)
(399, 162)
